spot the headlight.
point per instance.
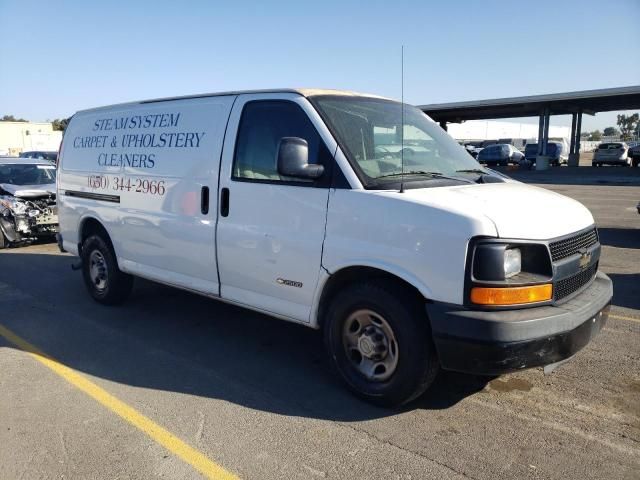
(509, 273)
(17, 207)
(512, 262)
(495, 261)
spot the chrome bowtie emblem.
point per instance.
(585, 258)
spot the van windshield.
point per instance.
(370, 132)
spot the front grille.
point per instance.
(565, 287)
(569, 246)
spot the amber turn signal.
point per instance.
(511, 295)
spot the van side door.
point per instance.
(271, 228)
(164, 226)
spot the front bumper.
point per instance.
(496, 342)
(17, 228)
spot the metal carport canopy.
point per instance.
(587, 101)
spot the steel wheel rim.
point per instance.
(98, 271)
(370, 345)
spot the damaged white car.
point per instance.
(27, 200)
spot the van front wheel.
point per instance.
(106, 283)
(379, 341)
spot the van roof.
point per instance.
(305, 92)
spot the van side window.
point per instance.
(262, 125)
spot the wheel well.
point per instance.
(351, 275)
(89, 227)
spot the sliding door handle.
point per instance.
(224, 202)
(204, 200)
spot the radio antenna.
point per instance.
(402, 119)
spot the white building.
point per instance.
(17, 137)
(494, 130)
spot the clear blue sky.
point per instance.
(60, 56)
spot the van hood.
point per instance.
(517, 210)
(29, 191)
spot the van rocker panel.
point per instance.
(496, 342)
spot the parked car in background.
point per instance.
(51, 156)
(564, 154)
(634, 154)
(500, 154)
(611, 153)
(473, 148)
(27, 200)
(555, 152)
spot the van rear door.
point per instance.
(145, 182)
(172, 237)
(271, 228)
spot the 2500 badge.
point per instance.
(121, 183)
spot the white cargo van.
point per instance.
(339, 211)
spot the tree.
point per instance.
(610, 132)
(11, 118)
(596, 136)
(60, 124)
(628, 124)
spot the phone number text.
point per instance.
(123, 183)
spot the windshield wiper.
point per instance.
(429, 174)
(485, 176)
(422, 172)
(473, 170)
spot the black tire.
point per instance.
(117, 285)
(636, 162)
(417, 362)
(4, 243)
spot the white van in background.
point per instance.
(339, 211)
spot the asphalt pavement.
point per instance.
(172, 385)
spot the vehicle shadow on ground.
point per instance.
(612, 176)
(167, 339)
(620, 237)
(626, 290)
(626, 286)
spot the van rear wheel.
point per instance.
(106, 283)
(379, 341)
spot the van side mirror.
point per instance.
(293, 159)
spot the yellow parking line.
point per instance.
(622, 317)
(193, 457)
